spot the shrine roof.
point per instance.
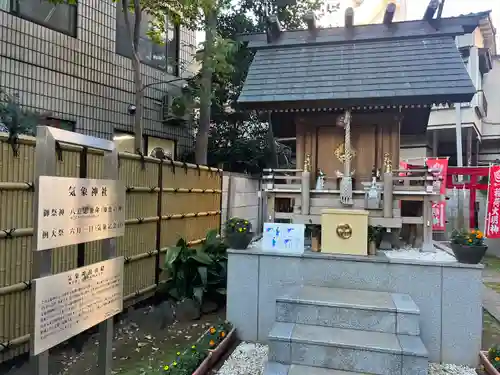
(405, 63)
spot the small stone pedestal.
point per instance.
(344, 231)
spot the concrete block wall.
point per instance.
(450, 314)
(240, 198)
(81, 79)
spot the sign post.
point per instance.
(492, 225)
(70, 211)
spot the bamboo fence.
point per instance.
(165, 200)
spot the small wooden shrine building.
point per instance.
(388, 74)
(347, 94)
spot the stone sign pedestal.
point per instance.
(344, 231)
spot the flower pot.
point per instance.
(488, 367)
(468, 254)
(239, 241)
(214, 355)
(315, 244)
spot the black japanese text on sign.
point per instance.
(77, 210)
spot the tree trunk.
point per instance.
(139, 95)
(206, 89)
(273, 161)
(133, 36)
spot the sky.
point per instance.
(416, 9)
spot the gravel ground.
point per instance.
(249, 359)
(411, 253)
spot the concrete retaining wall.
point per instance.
(448, 294)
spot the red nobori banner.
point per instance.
(439, 216)
(439, 168)
(492, 228)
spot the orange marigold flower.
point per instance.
(223, 334)
(473, 231)
(212, 330)
(497, 359)
(479, 235)
(470, 240)
(211, 343)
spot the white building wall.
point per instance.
(82, 79)
(491, 87)
(240, 198)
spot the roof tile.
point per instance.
(389, 71)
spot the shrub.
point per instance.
(188, 361)
(466, 237)
(237, 225)
(494, 356)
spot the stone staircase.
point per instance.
(330, 331)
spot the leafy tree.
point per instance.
(243, 140)
(186, 12)
(14, 118)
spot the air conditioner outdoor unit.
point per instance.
(160, 153)
(167, 113)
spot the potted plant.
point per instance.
(491, 360)
(468, 246)
(316, 237)
(238, 233)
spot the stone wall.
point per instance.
(447, 294)
(240, 198)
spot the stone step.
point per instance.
(349, 308)
(370, 352)
(303, 370)
(273, 368)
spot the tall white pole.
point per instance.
(458, 129)
(459, 220)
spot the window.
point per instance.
(160, 56)
(58, 123)
(125, 142)
(166, 146)
(60, 17)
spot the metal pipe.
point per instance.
(458, 136)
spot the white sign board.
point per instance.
(69, 303)
(77, 210)
(283, 238)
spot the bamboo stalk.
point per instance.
(26, 140)
(184, 190)
(25, 232)
(26, 338)
(24, 285)
(16, 186)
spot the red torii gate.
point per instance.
(473, 181)
(474, 178)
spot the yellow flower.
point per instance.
(479, 235)
(223, 334)
(211, 343)
(174, 364)
(470, 240)
(178, 353)
(240, 229)
(166, 368)
(212, 330)
(246, 222)
(497, 359)
(193, 347)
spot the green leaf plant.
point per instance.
(197, 273)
